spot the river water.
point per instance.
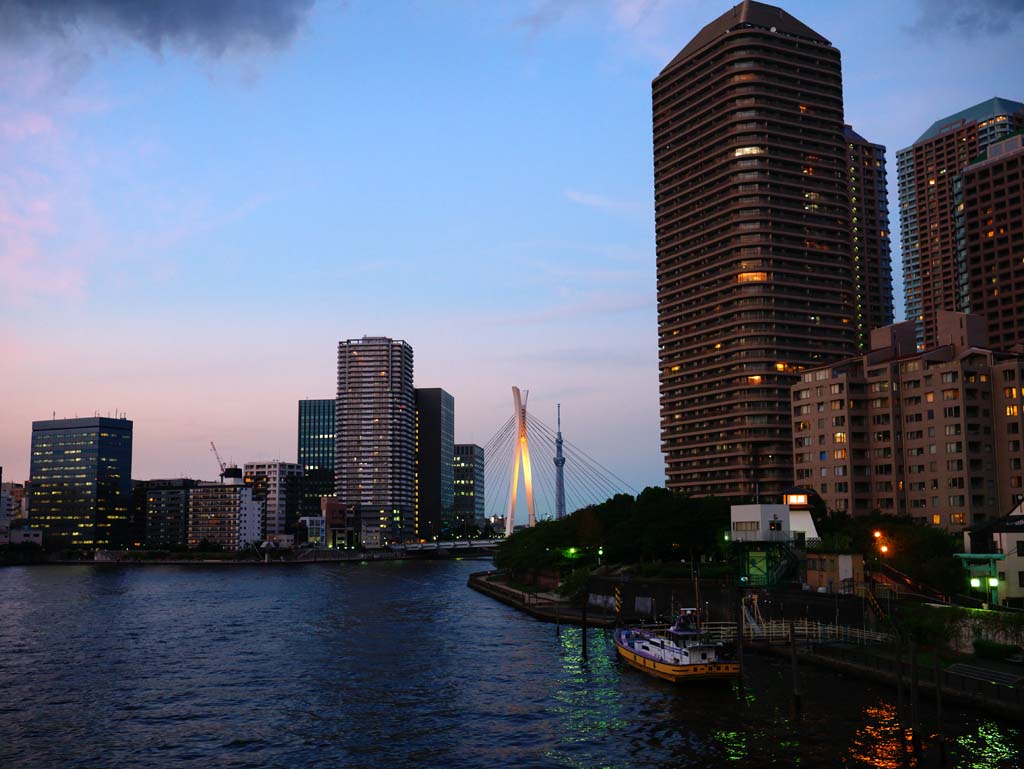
(393, 664)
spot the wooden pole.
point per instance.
(796, 671)
(915, 701)
(586, 600)
(900, 720)
(938, 709)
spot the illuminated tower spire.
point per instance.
(559, 470)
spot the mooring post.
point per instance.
(915, 701)
(900, 709)
(586, 600)
(938, 709)
(739, 630)
(796, 670)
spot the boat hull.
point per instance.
(677, 673)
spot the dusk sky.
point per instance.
(197, 201)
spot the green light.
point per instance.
(975, 582)
(993, 582)
(600, 551)
(572, 551)
(726, 536)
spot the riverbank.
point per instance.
(973, 685)
(298, 558)
(544, 606)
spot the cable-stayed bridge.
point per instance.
(556, 475)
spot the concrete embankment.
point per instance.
(973, 688)
(546, 607)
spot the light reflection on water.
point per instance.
(390, 665)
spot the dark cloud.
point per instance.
(968, 18)
(210, 26)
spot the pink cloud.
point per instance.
(25, 126)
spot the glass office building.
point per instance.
(316, 452)
(81, 473)
(435, 476)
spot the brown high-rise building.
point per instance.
(754, 265)
(929, 176)
(869, 230)
(992, 242)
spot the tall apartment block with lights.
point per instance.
(934, 434)
(754, 174)
(939, 266)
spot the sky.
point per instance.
(199, 199)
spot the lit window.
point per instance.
(752, 277)
(741, 151)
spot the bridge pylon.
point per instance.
(520, 455)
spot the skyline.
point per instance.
(127, 171)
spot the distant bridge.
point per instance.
(475, 546)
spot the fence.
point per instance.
(778, 632)
(967, 681)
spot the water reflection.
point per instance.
(989, 747)
(878, 743)
(391, 665)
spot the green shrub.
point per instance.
(990, 650)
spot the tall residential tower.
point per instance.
(754, 260)
(375, 436)
(869, 232)
(930, 196)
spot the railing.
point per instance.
(778, 631)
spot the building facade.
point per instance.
(992, 240)
(80, 493)
(929, 176)
(163, 509)
(375, 435)
(869, 230)
(469, 507)
(1003, 536)
(754, 262)
(17, 499)
(224, 514)
(435, 450)
(316, 452)
(278, 486)
(933, 434)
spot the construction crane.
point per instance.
(220, 461)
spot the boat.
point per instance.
(675, 653)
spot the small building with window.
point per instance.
(1002, 536)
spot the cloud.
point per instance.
(968, 18)
(603, 203)
(25, 125)
(546, 14)
(212, 27)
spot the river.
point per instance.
(393, 664)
